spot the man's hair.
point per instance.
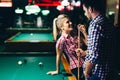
(98, 5)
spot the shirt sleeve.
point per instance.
(60, 43)
(93, 44)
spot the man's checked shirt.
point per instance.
(98, 50)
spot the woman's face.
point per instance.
(67, 25)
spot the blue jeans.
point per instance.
(93, 77)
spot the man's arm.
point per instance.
(92, 50)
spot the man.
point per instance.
(97, 59)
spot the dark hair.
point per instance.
(98, 5)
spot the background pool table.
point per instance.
(28, 41)
(30, 69)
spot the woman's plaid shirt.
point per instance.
(68, 44)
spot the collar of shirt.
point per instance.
(65, 35)
(96, 19)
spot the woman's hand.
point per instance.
(82, 28)
(84, 32)
(80, 52)
(53, 72)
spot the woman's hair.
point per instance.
(59, 20)
(57, 23)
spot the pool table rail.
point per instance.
(30, 44)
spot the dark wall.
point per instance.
(7, 15)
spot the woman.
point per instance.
(66, 44)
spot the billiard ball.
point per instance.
(20, 62)
(40, 64)
(31, 34)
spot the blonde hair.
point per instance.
(59, 20)
(57, 23)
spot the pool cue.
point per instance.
(79, 55)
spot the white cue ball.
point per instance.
(31, 34)
(40, 64)
(20, 62)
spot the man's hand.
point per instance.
(86, 75)
(88, 68)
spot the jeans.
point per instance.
(93, 77)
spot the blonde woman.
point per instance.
(66, 44)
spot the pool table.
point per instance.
(16, 30)
(30, 41)
(30, 68)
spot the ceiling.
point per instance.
(111, 4)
